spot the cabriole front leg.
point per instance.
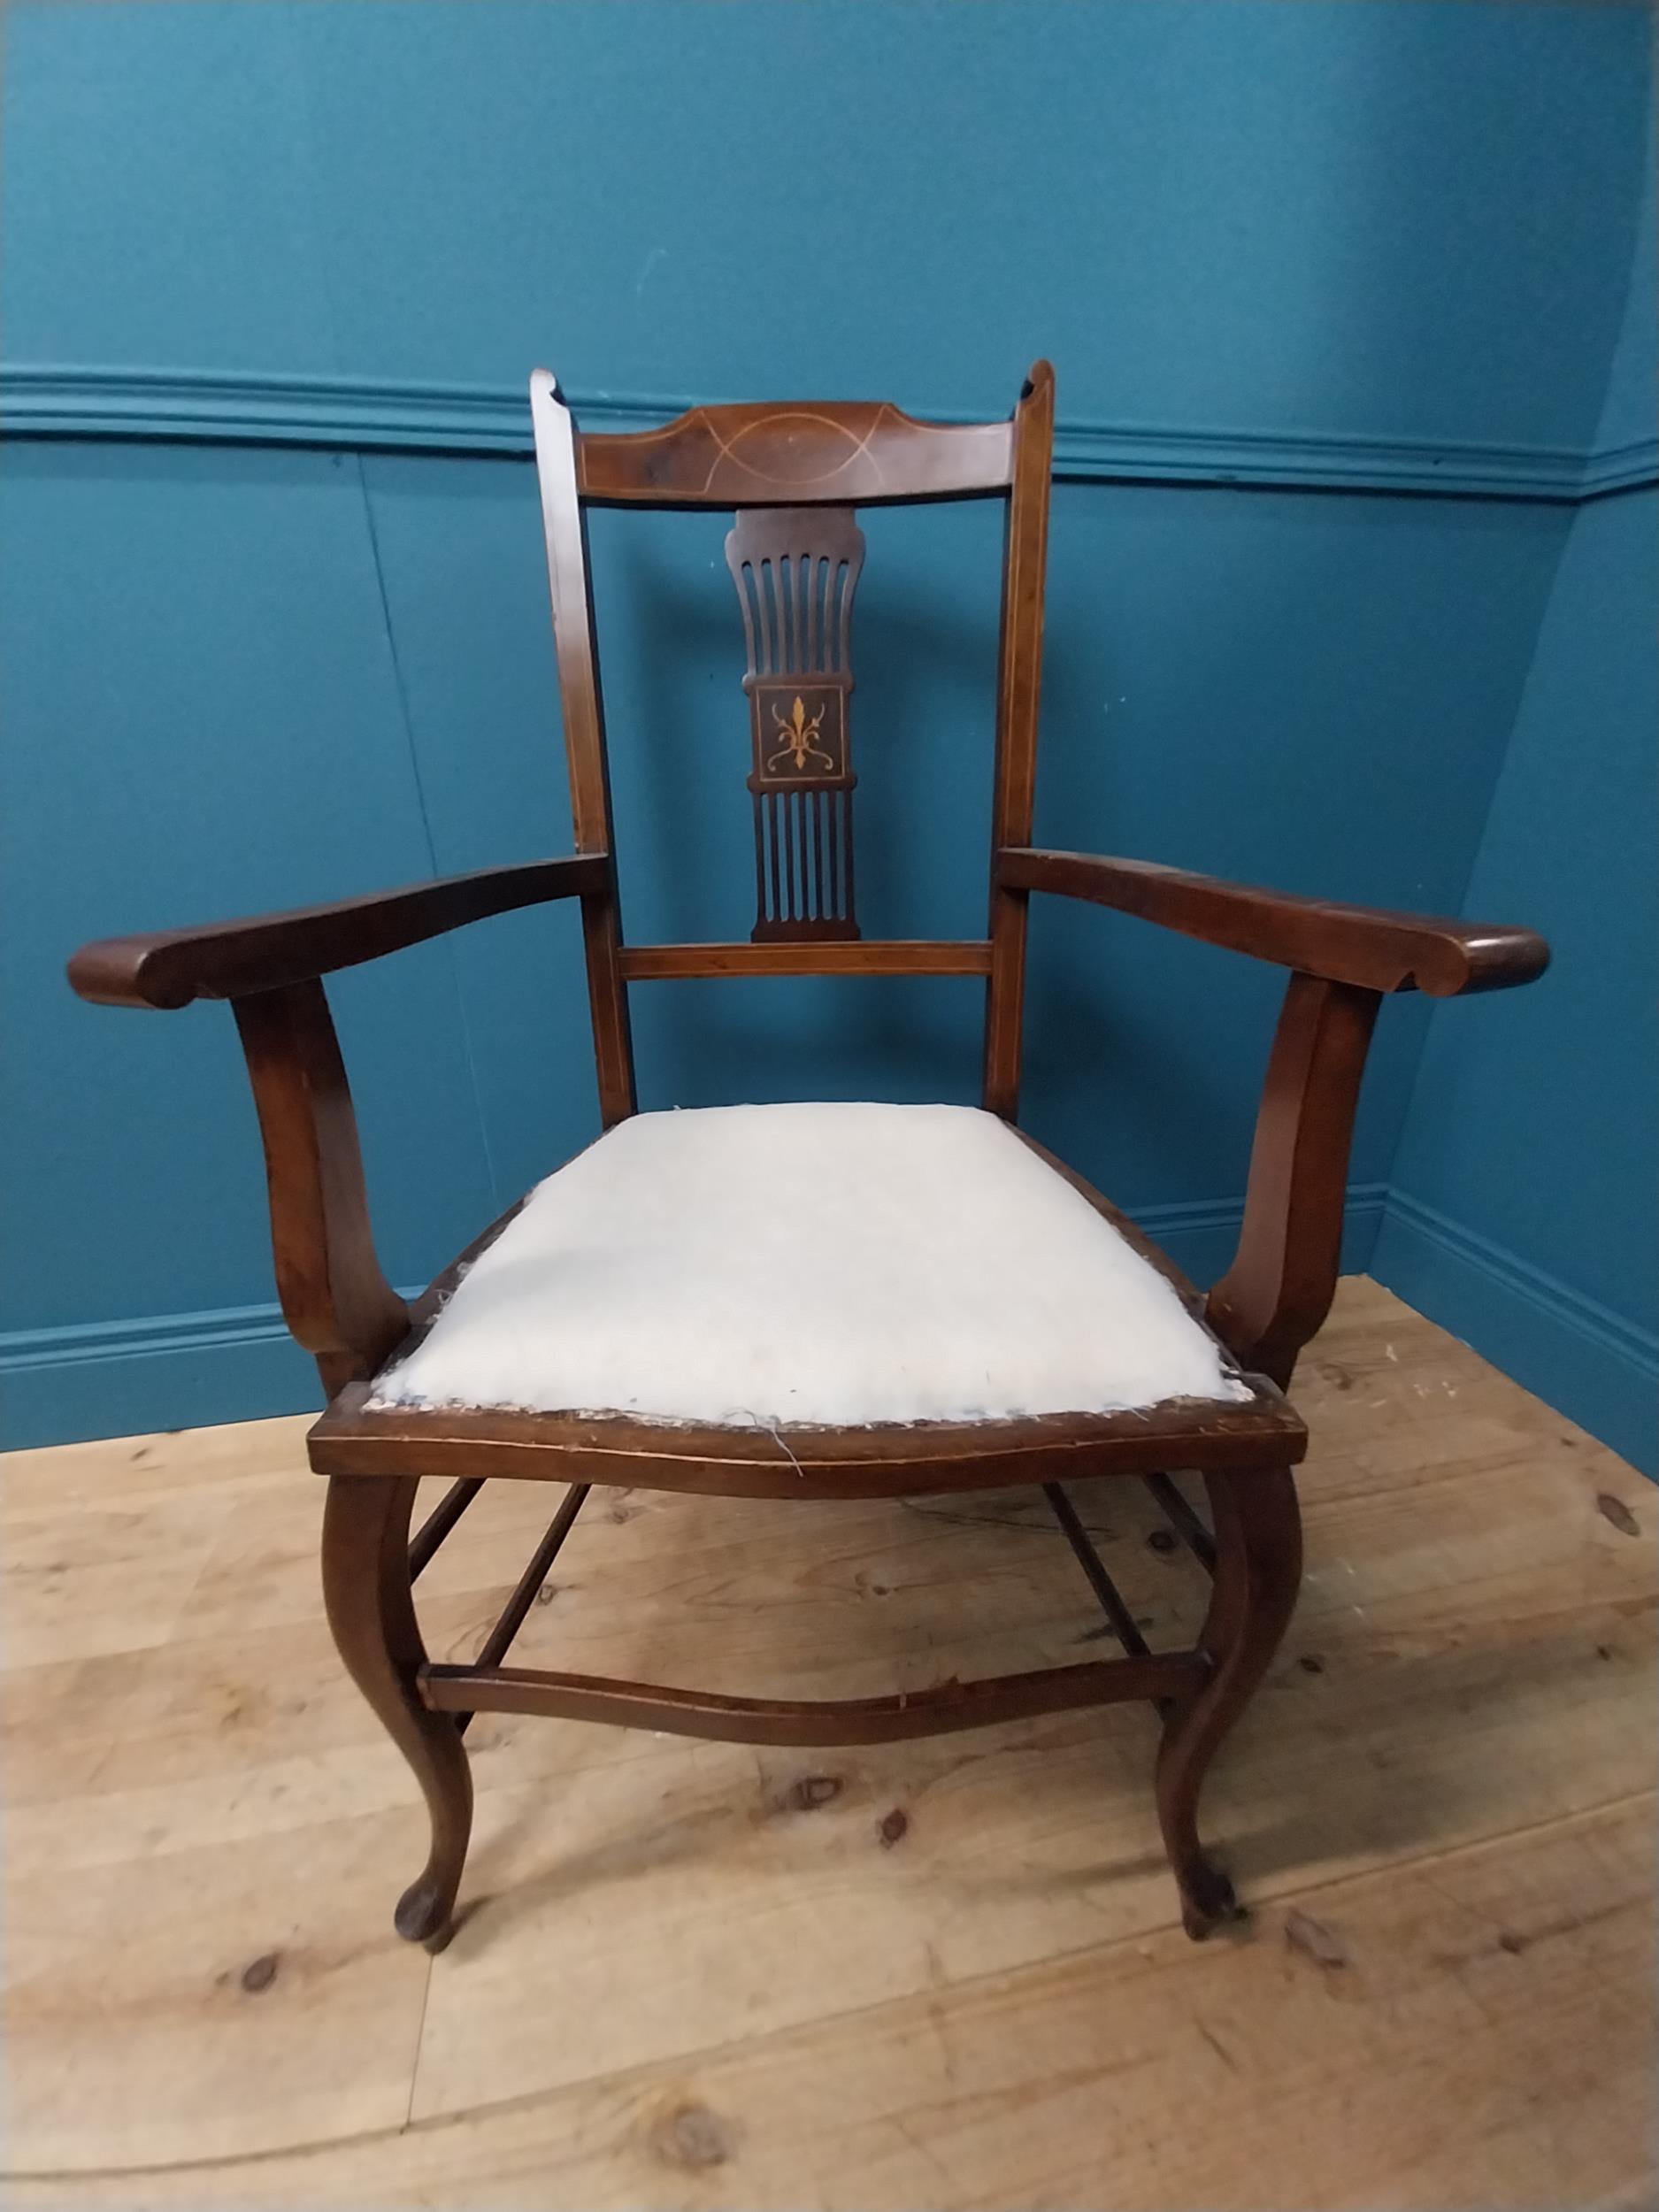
(372, 1613)
(1258, 1572)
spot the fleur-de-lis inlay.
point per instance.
(799, 730)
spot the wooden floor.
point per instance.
(941, 1974)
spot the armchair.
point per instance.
(992, 1320)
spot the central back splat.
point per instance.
(796, 569)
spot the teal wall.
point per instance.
(1524, 1211)
(1332, 292)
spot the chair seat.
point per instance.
(828, 1266)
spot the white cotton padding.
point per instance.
(818, 1265)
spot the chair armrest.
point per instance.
(223, 960)
(1278, 1289)
(1366, 946)
(336, 1297)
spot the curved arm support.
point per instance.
(1367, 946)
(229, 959)
(1279, 1287)
(1283, 1277)
(334, 1297)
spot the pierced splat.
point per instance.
(796, 569)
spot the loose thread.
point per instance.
(772, 1430)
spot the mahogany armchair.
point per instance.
(1088, 1355)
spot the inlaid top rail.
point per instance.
(795, 453)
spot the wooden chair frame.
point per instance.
(337, 1301)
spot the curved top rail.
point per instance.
(789, 453)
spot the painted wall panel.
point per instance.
(1525, 1212)
(1398, 217)
(1529, 1213)
(1629, 410)
(1563, 1075)
(157, 207)
(201, 718)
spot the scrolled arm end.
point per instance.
(128, 971)
(1479, 956)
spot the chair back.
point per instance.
(794, 473)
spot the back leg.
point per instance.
(372, 1613)
(1258, 1572)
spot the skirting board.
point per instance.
(1574, 1353)
(64, 1386)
